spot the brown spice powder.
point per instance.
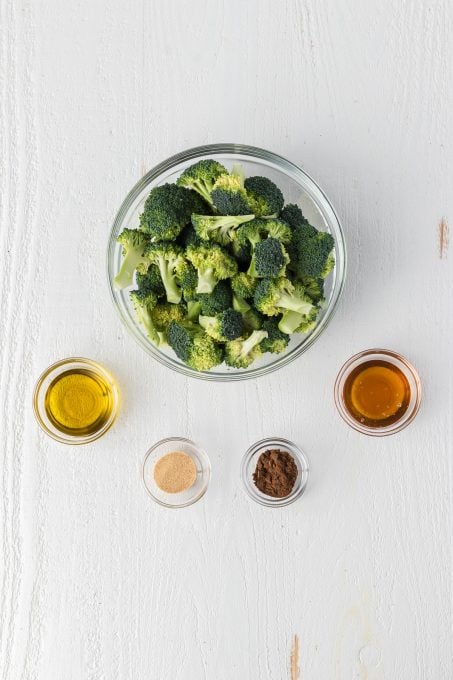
(275, 473)
(175, 472)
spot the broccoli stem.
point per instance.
(151, 331)
(294, 304)
(206, 281)
(193, 310)
(128, 266)
(168, 279)
(290, 321)
(255, 338)
(240, 305)
(201, 188)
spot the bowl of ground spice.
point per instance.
(275, 472)
(176, 472)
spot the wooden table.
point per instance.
(98, 582)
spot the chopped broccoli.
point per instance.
(193, 346)
(274, 296)
(253, 320)
(253, 232)
(243, 285)
(167, 210)
(188, 237)
(193, 310)
(293, 216)
(310, 252)
(242, 353)
(269, 259)
(314, 288)
(143, 304)
(151, 281)
(167, 257)
(134, 243)
(218, 301)
(329, 265)
(164, 312)
(264, 196)
(227, 325)
(294, 322)
(212, 263)
(201, 177)
(187, 278)
(220, 228)
(276, 341)
(229, 196)
(242, 252)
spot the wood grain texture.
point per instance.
(97, 583)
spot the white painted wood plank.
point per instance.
(96, 581)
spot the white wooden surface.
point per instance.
(97, 582)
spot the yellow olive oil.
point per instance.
(377, 393)
(79, 402)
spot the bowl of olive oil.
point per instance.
(76, 400)
(378, 392)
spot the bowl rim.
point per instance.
(285, 166)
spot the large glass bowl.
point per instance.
(297, 187)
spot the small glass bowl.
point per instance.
(189, 496)
(396, 360)
(45, 380)
(249, 465)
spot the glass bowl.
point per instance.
(408, 371)
(249, 464)
(50, 375)
(297, 187)
(198, 488)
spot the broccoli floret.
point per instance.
(227, 325)
(255, 231)
(242, 353)
(264, 196)
(269, 259)
(168, 258)
(293, 216)
(187, 278)
(193, 310)
(276, 341)
(310, 252)
(242, 252)
(144, 304)
(212, 263)
(201, 177)
(150, 281)
(253, 320)
(134, 243)
(229, 196)
(193, 346)
(294, 322)
(274, 296)
(219, 228)
(164, 312)
(167, 210)
(218, 301)
(188, 237)
(243, 285)
(314, 288)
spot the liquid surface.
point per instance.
(377, 393)
(79, 402)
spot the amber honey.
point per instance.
(79, 402)
(376, 393)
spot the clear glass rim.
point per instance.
(206, 464)
(318, 196)
(42, 419)
(301, 482)
(407, 368)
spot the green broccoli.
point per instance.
(168, 258)
(295, 322)
(269, 259)
(276, 341)
(187, 278)
(255, 231)
(311, 252)
(242, 353)
(292, 215)
(314, 288)
(188, 237)
(164, 312)
(220, 228)
(167, 210)
(201, 177)
(193, 310)
(218, 301)
(193, 346)
(242, 252)
(243, 285)
(274, 296)
(151, 281)
(212, 263)
(227, 325)
(134, 243)
(264, 197)
(144, 303)
(229, 196)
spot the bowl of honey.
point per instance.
(377, 392)
(75, 400)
